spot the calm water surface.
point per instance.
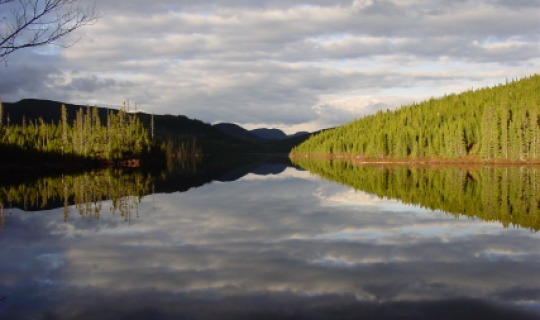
(270, 242)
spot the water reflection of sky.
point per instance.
(283, 245)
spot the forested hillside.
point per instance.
(491, 124)
(177, 130)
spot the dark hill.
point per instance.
(299, 134)
(237, 131)
(175, 127)
(269, 134)
(220, 138)
(49, 111)
(256, 135)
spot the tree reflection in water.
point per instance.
(86, 192)
(276, 243)
(508, 194)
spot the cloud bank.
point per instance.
(290, 64)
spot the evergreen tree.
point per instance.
(64, 124)
(1, 114)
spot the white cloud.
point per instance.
(292, 64)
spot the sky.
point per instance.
(293, 65)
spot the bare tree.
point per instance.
(32, 23)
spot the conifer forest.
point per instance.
(122, 136)
(500, 124)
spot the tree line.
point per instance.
(509, 195)
(490, 124)
(121, 136)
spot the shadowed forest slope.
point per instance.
(177, 129)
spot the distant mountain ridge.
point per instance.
(269, 134)
(260, 134)
(236, 131)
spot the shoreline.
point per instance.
(436, 162)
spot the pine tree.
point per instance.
(1, 114)
(64, 124)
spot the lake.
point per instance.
(266, 239)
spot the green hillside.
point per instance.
(491, 124)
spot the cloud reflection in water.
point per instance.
(287, 246)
